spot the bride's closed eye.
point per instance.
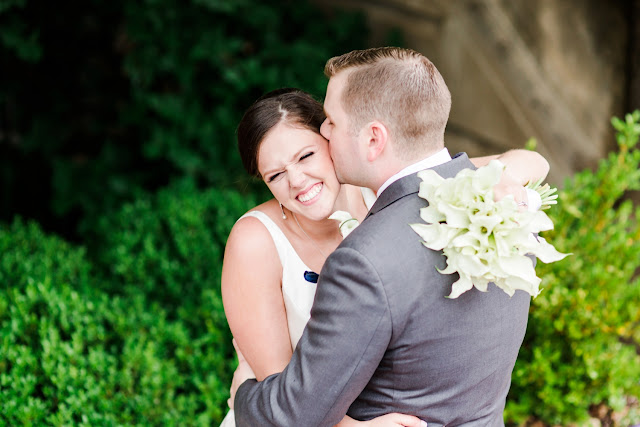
(273, 177)
(277, 176)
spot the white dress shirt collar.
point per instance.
(439, 158)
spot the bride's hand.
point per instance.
(508, 185)
(520, 167)
(388, 420)
(242, 373)
(394, 420)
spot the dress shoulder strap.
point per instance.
(368, 196)
(284, 247)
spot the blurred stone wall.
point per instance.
(556, 70)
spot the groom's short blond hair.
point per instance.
(400, 88)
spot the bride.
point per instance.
(275, 250)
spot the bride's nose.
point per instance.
(297, 177)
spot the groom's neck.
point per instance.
(396, 166)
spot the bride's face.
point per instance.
(296, 166)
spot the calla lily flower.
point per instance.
(483, 240)
(347, 222)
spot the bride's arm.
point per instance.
(254, 306)
(523, 166)
(252, 298)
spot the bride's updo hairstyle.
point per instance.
(291, 106)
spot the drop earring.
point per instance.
(284, 216)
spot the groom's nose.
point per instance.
(325, 129)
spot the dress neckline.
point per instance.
(277, 233)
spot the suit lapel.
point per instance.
(411, 184)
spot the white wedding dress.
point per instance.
(297, 292)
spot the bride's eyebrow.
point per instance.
(294, 159)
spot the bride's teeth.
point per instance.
(311, 193)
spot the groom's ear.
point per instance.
(377, 139)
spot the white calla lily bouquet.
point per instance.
(483, 240)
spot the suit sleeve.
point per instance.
(340, 349)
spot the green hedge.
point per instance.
(133, 333)
(69, 358)
(169, 248)
(582, 348)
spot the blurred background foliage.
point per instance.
(120, 182)
(581, 353)
(103, 101)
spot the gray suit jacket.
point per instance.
(384, 338)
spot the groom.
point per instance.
(383, 337)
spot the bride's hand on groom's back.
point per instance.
(389, 420)
(396, 420)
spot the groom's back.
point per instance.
(449, 361)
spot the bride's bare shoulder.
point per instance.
(359, 199)
(250, 259)
(249, 232)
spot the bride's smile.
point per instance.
(310, 195)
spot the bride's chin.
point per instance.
(315, 215)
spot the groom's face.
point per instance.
(343, 145)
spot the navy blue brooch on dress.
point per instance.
(311, 277)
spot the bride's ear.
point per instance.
(377, 139)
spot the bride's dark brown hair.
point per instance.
(289, 105)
